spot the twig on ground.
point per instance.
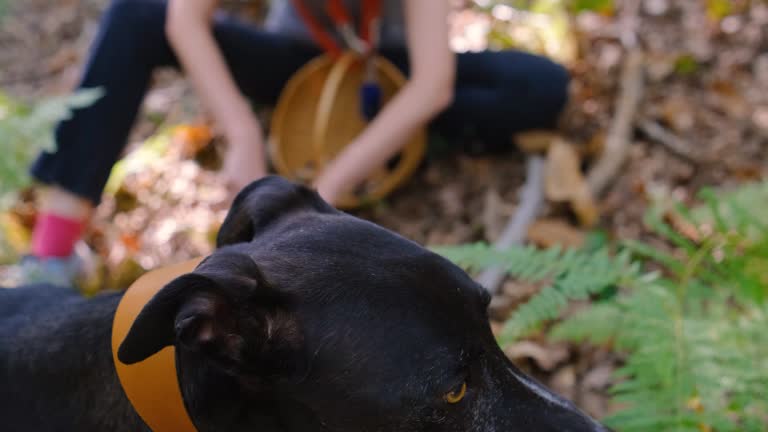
(628, 24)
(672, 142)
(619, 134)
(516, 231)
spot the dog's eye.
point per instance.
(455, 396)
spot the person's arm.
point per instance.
(428, 92)
(189, 31)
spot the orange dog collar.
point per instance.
(152, 385)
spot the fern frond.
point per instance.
(694, 335)
(568, 275)
(26, 130)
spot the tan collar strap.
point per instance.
(152, 385)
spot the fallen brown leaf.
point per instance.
(678, 113)
(191, 139)
(551, 232)
(585, 208)
(546, 357)
(564, 177)
(534, 141)
(565, 182)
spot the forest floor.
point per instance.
(702, 120)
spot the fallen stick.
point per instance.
(516, 231)
(620, 133)
(672, 142)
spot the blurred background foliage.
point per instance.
(27, 129)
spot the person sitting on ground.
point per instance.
(470, 97)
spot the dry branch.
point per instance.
(672, 142)
(619, 134)
(531, 200)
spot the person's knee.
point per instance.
(559, 80)
(547, 85)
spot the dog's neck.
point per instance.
(218, 401)
(84, 376)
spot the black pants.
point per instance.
(497, 93)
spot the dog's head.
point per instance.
(340, 325)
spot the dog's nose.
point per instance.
(601, 428)
(546, 410)
(597, 427)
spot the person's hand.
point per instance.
(189, 31)
(245, 160)
(428, 92)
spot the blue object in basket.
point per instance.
(370, 99)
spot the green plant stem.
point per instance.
(681, 293)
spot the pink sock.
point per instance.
(55, 236)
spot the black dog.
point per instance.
(304, 319)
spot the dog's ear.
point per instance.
(264, 201)
(226, 311)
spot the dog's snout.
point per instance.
(600, 428)
(527, 401)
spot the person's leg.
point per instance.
(121, 63)
(501, 93)
(497, 94)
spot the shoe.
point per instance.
(82, 270)
(64, 272)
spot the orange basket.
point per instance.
(318, 114)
